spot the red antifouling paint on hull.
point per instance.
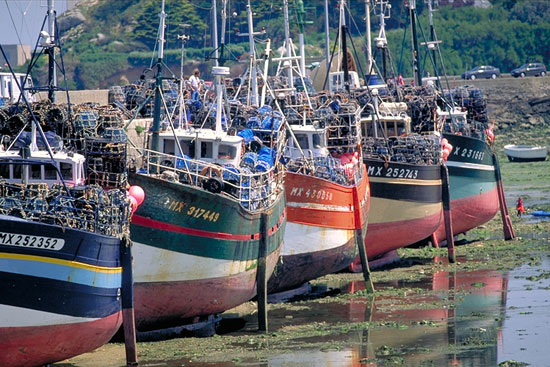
(471, 212)
(385, 237)
(192, 298)
(32, 346)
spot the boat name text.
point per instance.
(203, 214)
(469, 153)
(392, 172)
(193, 211)
(311, 193)
(24, 240)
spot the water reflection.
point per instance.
(526, 328)
(457, 323)
(475, 318)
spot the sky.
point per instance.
(22, 19)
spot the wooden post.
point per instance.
(360, 241)
(261, 276)
(506, 221)
(127, 300)
(447, 216)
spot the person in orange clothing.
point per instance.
(519, 207)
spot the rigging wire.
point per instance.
(15, 27)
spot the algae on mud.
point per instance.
(426, 311)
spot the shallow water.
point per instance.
(478, 318)
(475, 318)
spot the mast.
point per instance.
(343, 36)
(327, 40)
(381, 41)
(287, 43)
(158, 85)
(215, 32)
(253, 73)
(182, 112)
(49, 43)
(219, 72)
(369, 42)
(416, 64)
(432, 44)
(222, 33)
(301, 22)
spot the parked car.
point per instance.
(485, 71)
(533, 68)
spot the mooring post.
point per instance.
(127, 300)
(261, 276)
(506, 221)
(360, 241)
(447, 216)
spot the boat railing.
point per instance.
(328, 168)
(89, 208)
(256, 184)
(412, 148)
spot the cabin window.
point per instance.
(50, 173)
(227, 151)
(169, 147)
(318, 141)
(66, 170)
(36, 171)
(17, 170)
(206, 149)
(188, 147)
(5, 171)
(302, 140)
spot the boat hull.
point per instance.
(195, 252)
(56, 303)
(406, 205)
(473, 185)
(320, 233)
(525, 153)
(511, 158)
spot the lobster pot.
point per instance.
(230, 173)
(247, 135)
(253, 122)
(263, 164)
(249, 160)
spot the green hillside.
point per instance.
(117, 38)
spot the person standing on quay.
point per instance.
(196, 83)
(519, 207)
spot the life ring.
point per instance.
(210, 171)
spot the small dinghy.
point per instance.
(525, 153)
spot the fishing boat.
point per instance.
(327, 197)
(403, 165)
(62, 239)
(405, 175)
(476, 191)
(60, 258)
(525, 153)
(211, 205)
(326, 184)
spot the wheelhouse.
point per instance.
(203, 144)
(312, 141)
(392, 120)
(39, 168)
